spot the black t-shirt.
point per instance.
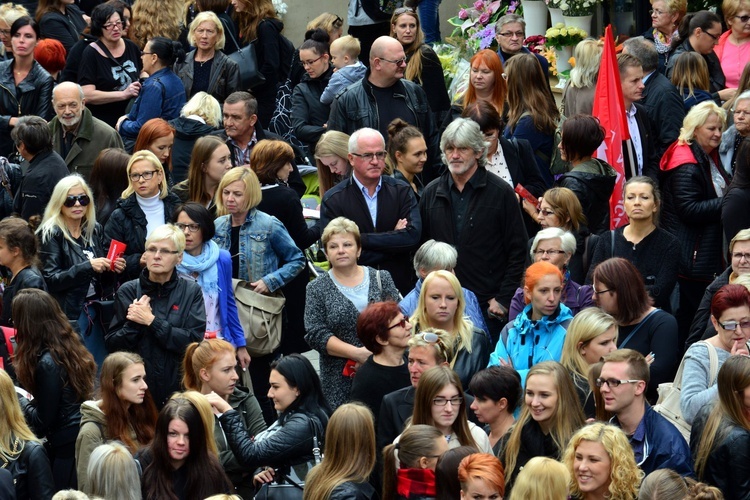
(390, 107)
(201, 76)
(102, 72)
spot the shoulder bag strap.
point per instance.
(109, 55)
(630, 336)
(380, 284)
(612, 243)
(713, 362)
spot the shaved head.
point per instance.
(381, 45)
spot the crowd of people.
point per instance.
(481, 330)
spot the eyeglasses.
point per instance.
(71, 201)
(161, 251)
(511, 34)
(144, 53)
(715, 37)
(453, 401)
(549, 252)
(739, 256)
(193, 228)
(657, 12)
(732, 325)
(401, 323)
(743, 19)
(613, 382)
(310, 63)
(434, 339)
(4, 32)
(397, 62)
(147, 176)
(546, 213)
(595, 292)
(109, 26)
(380, 155)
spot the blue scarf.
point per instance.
(205, 265)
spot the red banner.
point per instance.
(609, 107)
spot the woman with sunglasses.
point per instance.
(385, 332)
(73, 256)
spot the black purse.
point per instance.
(247, 60)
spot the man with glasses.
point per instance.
(33, 139)
(384, 95)
(478, 213)
(384, 208)
(77, 135)
(510, 32)
(657, 443)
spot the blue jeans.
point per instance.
(429, 16)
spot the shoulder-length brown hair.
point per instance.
(254, 11)
(619, 275)
(202, 151)
(42, 326)
(267, 157)
(528, 92)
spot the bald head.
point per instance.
(381, 45)
(387, 62)
(68, 101)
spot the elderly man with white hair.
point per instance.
(384, 208)
(478, 213)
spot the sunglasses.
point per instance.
(401, 323)
(71, 201)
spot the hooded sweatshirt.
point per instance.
(92, 434)
(592, 181)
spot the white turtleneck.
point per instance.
(154, 209)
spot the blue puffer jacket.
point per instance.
(525, 342)
(266, 249)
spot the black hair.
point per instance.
(168, 51)
(25, 21)
(703, 19)
(300, 374)
(33, 132)
(316, 40)
(200, 215)
(496, 383)
(100, 16)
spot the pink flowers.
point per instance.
(484, 18)
(463, 15)
(479, 5)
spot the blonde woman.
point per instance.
(349, 457)
(20, 449)
(442, 305)
(331, 155)
(602, 464)
(590, 336)
(199, 117)
(144, 205)
(578, 96)
(542, 478)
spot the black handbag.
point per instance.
(247, 61)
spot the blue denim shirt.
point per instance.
(264, 244)
(162, 96)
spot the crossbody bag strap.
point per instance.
(630, 336)
(109, 55)
(713, 363)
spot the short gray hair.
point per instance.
(464, 133)
(435, 255)
(645, 51)
(33, 132)
(365, 131)
(567, 240)
(168, 232)
(745, 96)
(507, 19)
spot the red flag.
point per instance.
(609, 107)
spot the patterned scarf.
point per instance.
(416, 482)
(662, 41)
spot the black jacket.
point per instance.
(701, 328)
(284, 445)
(55, 412)
(382, 246)
(592, 182)
(68, 271)
(66, 27)
(223, 80)
(648, 145)
(491, 246)
(70, 73)
(353, 491)
(355, 107)
(186, 132)
(128, 224)
(42, 175)
(9, 184)
(716, 76)
(724, 468)
(180, 320)
(534, 443)
(664, 107)
(32, 97)
(308, 113)
(32, 474)
(28, 277)
(692, 212)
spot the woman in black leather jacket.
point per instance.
(25, 87)
(287, 445)
(20, 256)
(722, 430)
(52, 364)
(27, 460)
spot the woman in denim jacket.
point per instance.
(262, 251)
(162, 95)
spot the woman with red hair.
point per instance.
(50, 53)
(481, 476)
(157, 136)
(538, 332)
(487, 81)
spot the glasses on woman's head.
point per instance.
(433, 339)
(403, 10)
(71, 201)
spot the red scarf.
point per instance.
(416, 482)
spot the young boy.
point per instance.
(349, 69)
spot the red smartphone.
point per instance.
(349, 370)
(526, 195)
